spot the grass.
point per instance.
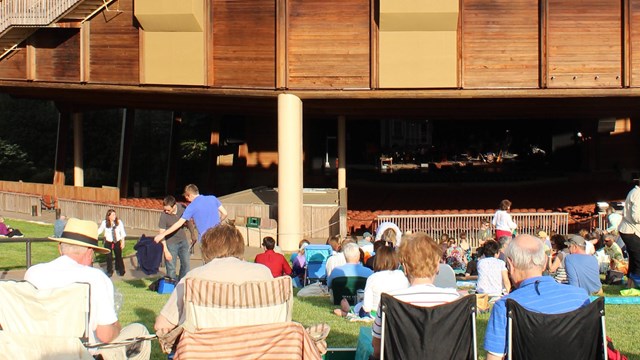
(142, 305)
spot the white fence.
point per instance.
(32, 12)
(456, 224)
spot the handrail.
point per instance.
(32, 12)
(27, 242)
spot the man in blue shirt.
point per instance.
(353, 267)
(526, 258)
(205, 210)
(582, 269)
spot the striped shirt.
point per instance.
(424, 295)
(540, 294)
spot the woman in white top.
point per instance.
(502, 220)
(113, 229)
(386, 278)
(493, 277)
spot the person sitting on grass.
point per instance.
(493, 278)
(386, 278)
(419, 256)
(352, 268)
(274, 261)
(582, 269)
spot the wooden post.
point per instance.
(174, 151)
(78, 153)
(126, 144)
(64, 120)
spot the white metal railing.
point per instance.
(32, 12)
(456, 224)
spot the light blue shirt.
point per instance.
(349, 270)
(204, 212)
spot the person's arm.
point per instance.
(222, 212)
(286, 268)
(163, 325)
(102, 228)
(177, 225)
(376, 347)
(555, 263)
(635, 207)
(106, 333)
(192, 231)
(165, 249)
(505, 280)
(122, 234)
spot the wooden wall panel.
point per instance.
(328, 44)
(14, 65)
(634, 43)
(500, 43)
(57, 54)
(584, 43)
(243, 43)
(114, 45)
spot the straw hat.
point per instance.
(81, 233)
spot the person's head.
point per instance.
(444, 238)
(491, 248)
(351, 253)
(389, 235)
(484, 225)
(505, 205)
(168, 203)
(420, 256)
(463, 236)
(378, 244)
(386, 259)
(303, 243)
(269, 243)
(526, 258)
(79, 240)
(221, 241)
(367, 236)
(503, 241)
(334, 241)
(576, 244)
(1, 219)
(111, 218)
(557, 242)
(583, 233)
(609, 239)
(190, 192)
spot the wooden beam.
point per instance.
(281, 44)
(85, 52)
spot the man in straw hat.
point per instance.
(77, 244)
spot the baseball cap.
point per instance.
(577, 240)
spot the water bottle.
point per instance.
(359, 296)
(118, 300)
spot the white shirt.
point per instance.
(630, 223)
(379, 282)
(490, 276)
(502, 221)
(64, 271)
(108, 232)
(334, 261)
(389, 225)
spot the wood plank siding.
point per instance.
(243, 43)
(584, 43)
(500, 44)
(114, 46)
(328, 44)
(57, 52)
(634, 43)
(14, 66)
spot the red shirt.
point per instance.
(275, 262)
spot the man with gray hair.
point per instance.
(353, 267)
(526, 259)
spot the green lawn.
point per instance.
(142, 305)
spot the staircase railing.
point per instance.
(32, 13)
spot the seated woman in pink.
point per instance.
(4, 230)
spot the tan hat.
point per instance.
(81, 233)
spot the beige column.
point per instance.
(342, 157)
(289, 171)
(78, 160)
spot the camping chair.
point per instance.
(48, 202)
(241, 321)
(346, 287)
(39, 324)
(316, 262)
(446, 331)
(578, 334)
(446, 277)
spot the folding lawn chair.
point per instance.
(316, 262)
(346, 287)
(446, 331)
(578, 334)
(446, 277)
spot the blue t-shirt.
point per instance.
(583, 271)
(349, 270)
(541, 294)
(204, 212)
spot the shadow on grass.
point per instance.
(138, 283)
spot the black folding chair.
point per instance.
(578, 334)
(446, 331)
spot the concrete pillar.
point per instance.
(289, 172)
(342, 152)
(78, 158)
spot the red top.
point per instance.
(275, 262)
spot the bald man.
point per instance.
(526, 259)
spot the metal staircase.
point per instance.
(21, 18)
